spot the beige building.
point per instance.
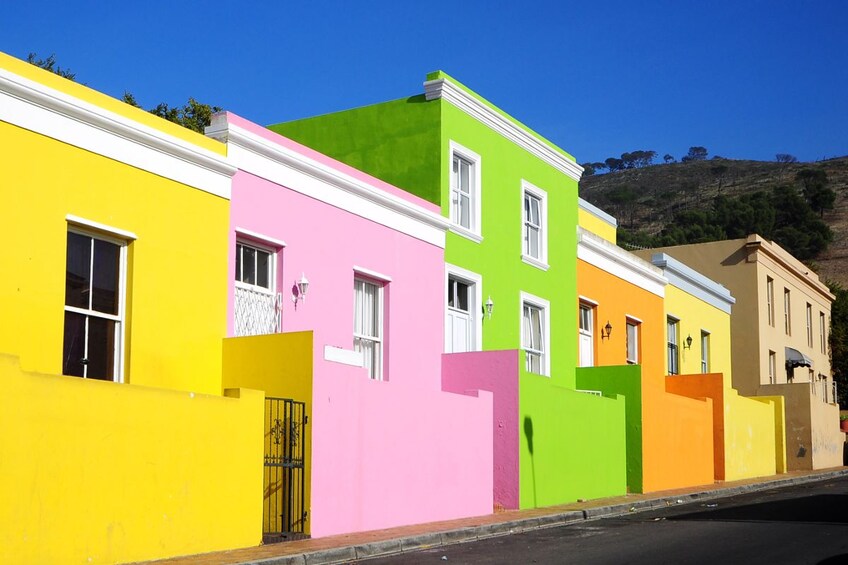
(779, 326)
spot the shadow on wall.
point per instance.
(528, 433)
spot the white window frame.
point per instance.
(770, 300)
(705, 351)
(822, 332)
(476, 309)
(474, 232)
(379, 373)
(272, 267)
(122, 239)
(545, 306)
(590, 307)
(787, 311)
(540, 262)
(809, 314)
(772, 367)
(636, 324)
(673, 338)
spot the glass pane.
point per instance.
(451, 290)
(465, 211)
(461, 296)
(536, 315)
(533, 242)
(73, 350)
(263, 269)
(464, 177)
(248, 266)
(526, 338)
(78, 270)
(534, 211)
(106, 265)
(101, 349)
(239, 250)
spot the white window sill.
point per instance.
(535, 262)
(343, 356)
(468, 234)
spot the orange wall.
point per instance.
(677, 432)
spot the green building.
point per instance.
(510, 277)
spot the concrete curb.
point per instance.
(449, 537)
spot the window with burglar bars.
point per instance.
(94, 306)
(257, 305)
(368, 325)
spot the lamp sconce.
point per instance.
(688, 344)
(606, 331)
(300, 288)
(489, 307)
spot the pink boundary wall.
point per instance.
(384, 453)
(497, 372)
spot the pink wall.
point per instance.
(384, 453)
(495, 371)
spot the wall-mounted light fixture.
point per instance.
(302, 287)
(489, 307)
(688, 342)
(606, 331)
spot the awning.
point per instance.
(795, 358)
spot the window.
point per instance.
(705, 352)
(822, 333)
(632, 341)
(772, 367)
(460, 325)
(94, 306)
(534, 245)
(673, 354)
(787, 322)
(256, 305)
(809, 324)
(535, 339)
(465, 191)
(770, 300)
(368, 325)
(586, 335)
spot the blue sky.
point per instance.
(746, 79)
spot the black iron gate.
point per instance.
(284, 515)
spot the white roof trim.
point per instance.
(33, 106)
(597, 212)
(688, 279)
(293, 170)
(450, 92)
(618, 262)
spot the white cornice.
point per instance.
(785, 259)
(450, 92)
(33, 106)
(689, 280)
(618, 262)
(597, 212)
(293, 170)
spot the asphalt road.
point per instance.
(792, 525)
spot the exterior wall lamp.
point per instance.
(489, 307)
(606, 331)
(301, 287)
(688, 344)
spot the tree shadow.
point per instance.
(821, 509)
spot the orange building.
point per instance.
(622, 322)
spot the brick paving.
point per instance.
(344, 548)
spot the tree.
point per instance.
(785, 158)
(614, 164)
(719, 171)
(818, 195)
(49, 64)
(696, 153)
(588, 169)
(838, 341)
(668, 158)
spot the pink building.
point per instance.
(384, 444)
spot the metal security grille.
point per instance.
(256, 313)
(284, 515)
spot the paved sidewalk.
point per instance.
(349, 547)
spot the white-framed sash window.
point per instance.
(705, 351)
(672, 325)
(586, 335)
(632, 338)
(368, 325)
(535, 333)
(534, 249)
(257, 304)
(95, 295)
(465, 192)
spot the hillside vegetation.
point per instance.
(705, 200)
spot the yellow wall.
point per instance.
(177, 268)
(778, 405)
(596, 225)
(102, 472)
(280, 365)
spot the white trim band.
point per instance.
(616, 261)
(260, 237)
(450, 92)
(691, 281)
(77, 221)
(371, 274)
(343, 356)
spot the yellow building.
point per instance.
(749, 434)
(118, 442)
(780, 330)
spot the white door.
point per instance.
(458, 327)
(586, 344)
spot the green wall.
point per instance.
(395, 141)
(626, 382)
